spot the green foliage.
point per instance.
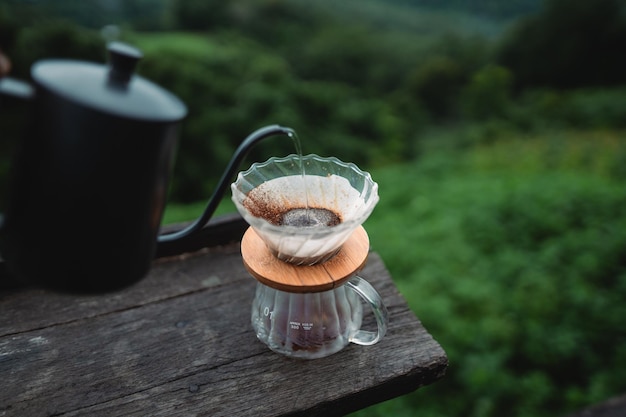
(599, 152)
(406, 16)
(572, 43)
(437, 81)
(584, 108)
(26, 35)
(366, 88)
(143, 14)
(518, 271)
(232, 85)
(492, 8)
(335, 51)
(55, 39)
(200, 15)
(554, 246)
(437, 84)
(488, 94)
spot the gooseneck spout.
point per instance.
(164, 240)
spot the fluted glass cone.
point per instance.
(304, 219)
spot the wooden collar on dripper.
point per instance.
(271, 271)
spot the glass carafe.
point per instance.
(317, 324)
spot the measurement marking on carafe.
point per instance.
(296, 325)
(267, 312)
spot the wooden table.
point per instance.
(180, 343)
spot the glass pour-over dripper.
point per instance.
(304, 208)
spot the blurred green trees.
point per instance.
(572, 43)
(512, 254)
(349, 88)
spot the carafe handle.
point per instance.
(365, 290)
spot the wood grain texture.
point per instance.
(283, 276)
(180, 342)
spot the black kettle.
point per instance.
(88, 184)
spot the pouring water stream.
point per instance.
(307, 216)
(302, 219)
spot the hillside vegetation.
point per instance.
(362, 80)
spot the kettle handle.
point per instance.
(164, 240)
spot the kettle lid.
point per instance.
(112, 89)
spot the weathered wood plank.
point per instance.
(180, 343)
(167, 279)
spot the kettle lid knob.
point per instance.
(123, 59)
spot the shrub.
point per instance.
(594, 108)
(440, 76)
(519, 274)
(570, 44)
(555, 247)
(56, 39)
(488, 94)
(234, 87)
